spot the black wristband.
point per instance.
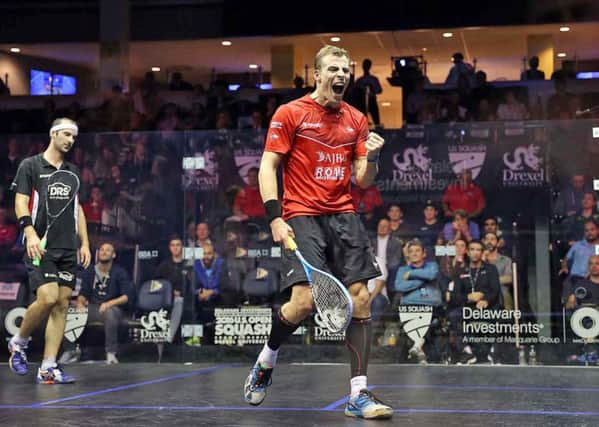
(25, 221)
(273, 210)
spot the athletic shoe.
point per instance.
(18, 358)
(111, 359)
(466, 359)
(254, 389)
(367, 406)
(55, 375)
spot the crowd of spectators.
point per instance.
(131, 194)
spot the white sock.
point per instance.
(357, 384)
(268, 356)
(49, 362)
(19, 340)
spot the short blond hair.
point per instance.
(329, 50)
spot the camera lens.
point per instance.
(580, 293)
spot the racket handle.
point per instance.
(43, 243)
(291, 243)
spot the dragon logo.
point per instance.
(413, 158)
(521, 156)
(155, 319)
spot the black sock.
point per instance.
(358, 337)
(281, 329)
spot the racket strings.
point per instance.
(331, 300)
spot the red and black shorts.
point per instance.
(57, 265)
(335, 243)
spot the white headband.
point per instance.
(64, 126)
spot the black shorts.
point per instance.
(57, 265)
(335, 243)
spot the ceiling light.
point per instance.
(226, 43)
(155, 69)
(564, 29)
(424, 49)
(15, 49)
(253, 66)
(335, 39)
(447, 35)
(561, 55)
(385, 104)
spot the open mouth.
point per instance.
(338, 88)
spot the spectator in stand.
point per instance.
(238, 265)
(451, 110)
(558, 104)
(569, 200)
(482, 88)
(118, 110)
(93, 208)
(104, 163)
(396, 222)
(146, 100)
(175, 270)
(114, 184)
(511, 109)
(589, 282)
(490, 225)
(272, 103)
(461, 75)
(574, 225)
(367, 202)
(202, 234)
(8, 231)
(504, 267)
(533, 73)
(105, 290)
(460, 228)
(417, 284)
(428, 230)
(416, 101)
(477, 287)
(369, 87)
(576, 261)
(211, 276)
(387, 248)
(298, 90)
(198, 117)
(463, 194)
(566, 72)
(248, 203)
(178, 84)
(483, 112)
(451, 265)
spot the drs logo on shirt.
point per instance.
(59, 191)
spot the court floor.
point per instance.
(137, 394)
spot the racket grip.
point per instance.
(37, 261)
(291, 243)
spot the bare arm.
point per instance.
(267, 177)
(82, 228)
(34, 250)
(366, 167)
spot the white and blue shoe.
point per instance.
(18, 358)
(254, 390)
(55, 375)
(367, 406)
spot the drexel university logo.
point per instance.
(523, 167)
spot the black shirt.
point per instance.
(31, 180)
(174, 272)
(484, 279)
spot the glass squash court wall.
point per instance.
(157, 184)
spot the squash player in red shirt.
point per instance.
(317, 139)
